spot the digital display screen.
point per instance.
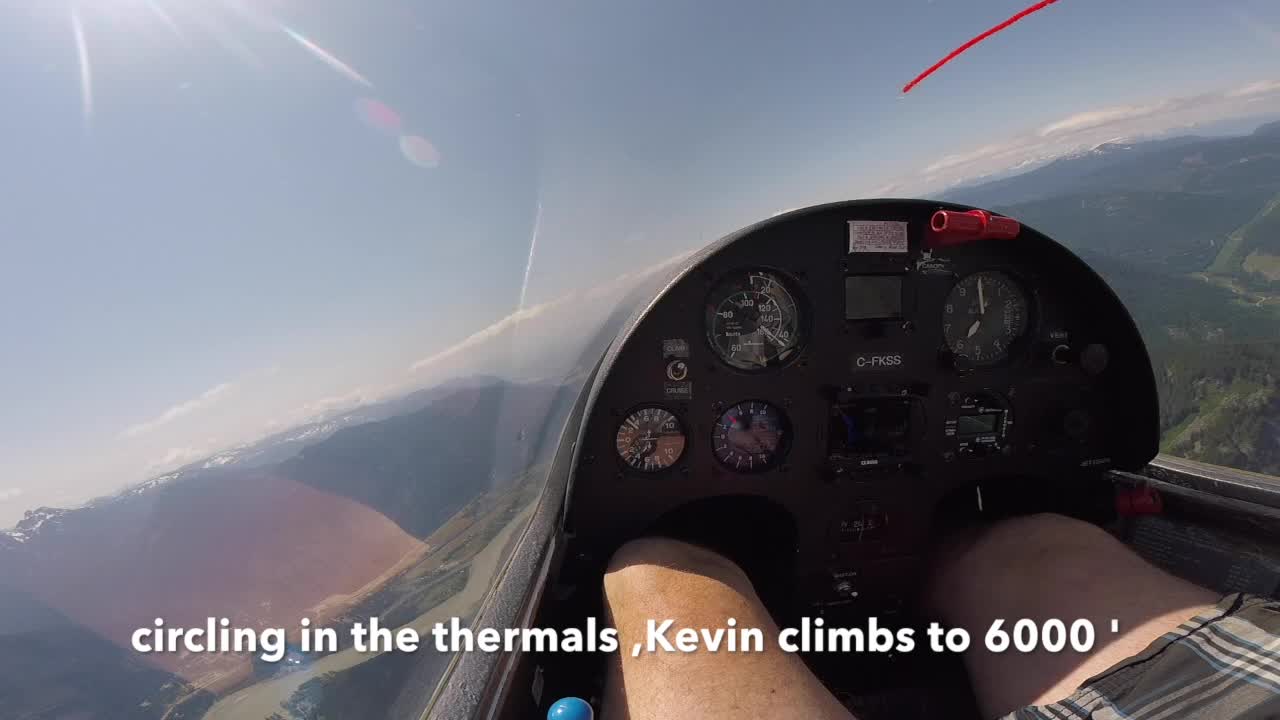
(873, 297)
(978, 424)
(870, 427)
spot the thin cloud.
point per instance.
(1081, 131)
(177, 457)
(959, 159)
(1100, 118)
(329, 406)
(345, 401)
(1263, 87)
(524, 315)
(12, 493)
(205, 399)
(481, 336)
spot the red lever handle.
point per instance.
(1141, 500)
(951, 227)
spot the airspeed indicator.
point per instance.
(754, 321)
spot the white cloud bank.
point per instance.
(1263, 87)
(1093, 119)
(488, 333)
(203, 400)
(1089, 128)
(177, 457)
(579, 310)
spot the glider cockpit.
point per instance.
(820, 397)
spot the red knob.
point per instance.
(951, 227)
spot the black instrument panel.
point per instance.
(832, 364)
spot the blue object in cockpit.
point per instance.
(851, 430)
(570, 708)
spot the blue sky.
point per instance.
(204, 240)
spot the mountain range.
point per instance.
(1187, 232)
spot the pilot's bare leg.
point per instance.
(665, 579)
(1049, 566)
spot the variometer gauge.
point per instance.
(750, 437)
(650, 439)
(984, 315)
(754, 321)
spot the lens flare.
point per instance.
(86, 70)
(379, 116)
(420, 151)
(326, 57)
(533, 245)
(220, 21)
(166, 19)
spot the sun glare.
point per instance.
(242, 31)
(222, 21)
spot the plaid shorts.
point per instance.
(1220, 665)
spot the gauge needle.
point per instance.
(774, 338)
(974, 327)
(982, 300)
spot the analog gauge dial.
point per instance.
(984, 315)
(750, 437)
(754, 321)
(650, 440)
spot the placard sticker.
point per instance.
(877, 236)
(678, 390)
(675, 348)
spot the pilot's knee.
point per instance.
(661, 566)
(1033, 550)
(1030, 537)
(667, 553)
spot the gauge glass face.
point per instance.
(750, 437)
(984, 315)
(650, 440)
(753, 321)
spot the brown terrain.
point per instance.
(263, 550)
(318, 536)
